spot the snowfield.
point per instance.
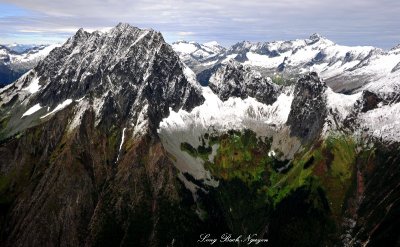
(383, 122)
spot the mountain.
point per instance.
(344, 68)
(236, 80)
(20, 48)
(300, 163)
(83, 126)
(198, 56)
(16, 60)
(111, 140)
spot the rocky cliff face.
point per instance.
(235, 80)
(308, 111)
(138, 83)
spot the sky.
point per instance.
(351, 22)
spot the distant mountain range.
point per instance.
(344, 68)
(111, 140)
(15, 60)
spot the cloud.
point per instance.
(373, 22)
(185, 33)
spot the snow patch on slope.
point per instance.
(185, 48)
(341, 104)
(122, 142)
(33, 86)
(383, 122)
(255, 59)
(32, 110)
(234, 113)
(59, 107)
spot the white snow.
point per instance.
(234, 113)
(186, 48)
(378, 72)
(383, 122)
(210, 63)
(211, 44)
(341, 104)
(190, 75)
(59, 107)
(387, 85)
(263, 60)
(212, 47)
(122, 142)
(33, 56)
(145, 32)
(33, 86)
(271, 153)
(32, 110)
(229, 57)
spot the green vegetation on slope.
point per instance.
(324, 172)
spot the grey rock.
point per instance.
(308, 111)
(236, 80)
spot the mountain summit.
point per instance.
(125, 74)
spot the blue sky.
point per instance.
(352, 22)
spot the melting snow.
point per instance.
(32, 110)
(186, 48)
(229, 57)
(341, 103)
(33, 86)
(59, 107)
(211, 43)
(263, 60)
(122, 142)
(234, 113)
(383, 122)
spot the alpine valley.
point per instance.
(119, 139)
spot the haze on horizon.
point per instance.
(359, 22)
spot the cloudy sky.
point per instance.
(351, 22)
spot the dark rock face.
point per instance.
(204, 76)
(308, 111)
(369, 101)
(62, 189)
(375, 213)
(396, 68)
(236, 80)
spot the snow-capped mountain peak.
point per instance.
(344, 68)
(211, 43)
(127, 75)
(315, 36)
